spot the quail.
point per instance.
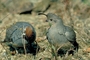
(58, 34)
(21, 34)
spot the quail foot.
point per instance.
(21, 34)
(58, 34)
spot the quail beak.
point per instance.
(46, 21)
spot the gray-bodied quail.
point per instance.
(58, 34)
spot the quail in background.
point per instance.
(21, 34)
(58, 34)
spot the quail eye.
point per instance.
(50, 19)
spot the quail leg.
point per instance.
(54, 51)
(13, 50)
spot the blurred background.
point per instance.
(74, 13)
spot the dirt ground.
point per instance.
(74, 13)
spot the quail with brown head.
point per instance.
(21, 34)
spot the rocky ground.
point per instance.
(74, 13)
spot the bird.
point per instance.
(20, 34)
(59, 34)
